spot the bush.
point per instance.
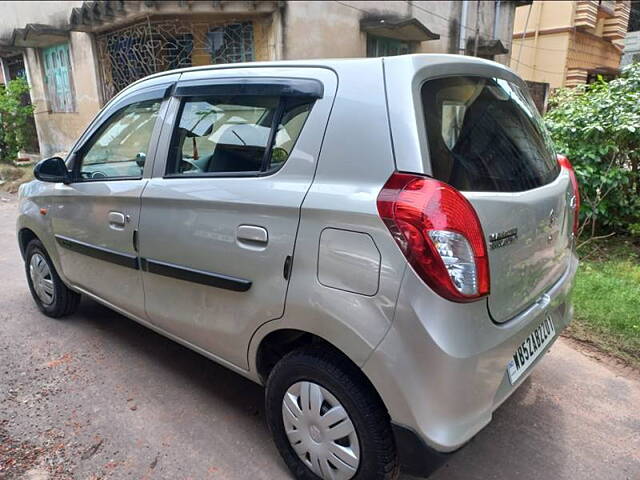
(14, 119)
(597, 127)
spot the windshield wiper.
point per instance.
(239, 137)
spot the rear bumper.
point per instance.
(442, 367)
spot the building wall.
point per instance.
(58, 131)
(297, 30)
(17, 14)
(631, 48)
(560, 42)
(541, 41)
(544, 14)
(588, 51)
(542, 58)
(338, 33)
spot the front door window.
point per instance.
(119, 149)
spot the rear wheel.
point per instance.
(51, 295)
(327, 420)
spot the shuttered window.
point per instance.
(57, 70)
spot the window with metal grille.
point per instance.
(132, 53)
(231, 43)
(57, 77)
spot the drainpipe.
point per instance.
(5, 70)
(477, 29)
(535, 38)
(524, 35)
(280, 37)
(463, 28)
(496, 19)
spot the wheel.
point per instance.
(51, 295)
(327, 420)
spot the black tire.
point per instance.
(343, 379)
(65, 301)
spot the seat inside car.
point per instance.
(235, 158)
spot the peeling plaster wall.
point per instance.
(324, 29)
(18, 14)
(58, 131)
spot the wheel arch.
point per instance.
(273, 345)
(25, 235)
(29, 229)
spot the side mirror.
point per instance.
(52, 170)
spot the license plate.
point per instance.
(531, 349)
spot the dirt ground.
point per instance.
(98, 396)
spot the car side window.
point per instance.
(119, 148)
(235, 134)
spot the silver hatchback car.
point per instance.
(386, 244)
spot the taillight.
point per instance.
(439, 233)
(566, 164)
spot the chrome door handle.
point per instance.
(117, 219)
(252, 234)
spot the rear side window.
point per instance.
(485, 134)
(235, 134)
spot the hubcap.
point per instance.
(41, 279)
(320, 431)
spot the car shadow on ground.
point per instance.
(524, 439)
(176, 361)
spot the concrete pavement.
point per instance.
(98, 396)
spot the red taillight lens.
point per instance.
(566, 164)
(438, 231)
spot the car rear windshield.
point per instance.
(485, 134)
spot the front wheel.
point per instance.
(51, 295)
(327, 420)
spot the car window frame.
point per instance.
(283, 87)
(157, 92)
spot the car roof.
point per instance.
(404, 65)
(331, 63)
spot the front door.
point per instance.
(219, 218)
(96, 216)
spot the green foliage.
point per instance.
(597, 127)
(14, 119)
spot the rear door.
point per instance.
(220, 216)
(486, 139)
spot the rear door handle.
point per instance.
(117, 219)
(252, 235)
